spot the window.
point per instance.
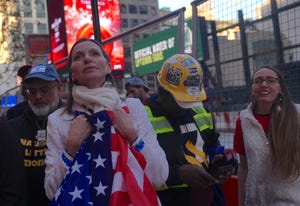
(123, 9)
(40, 9)
(134, 22)
(132, 9)
(146, 35)
(136, 38)
(124, 23)
(128, 67)
(28, 28)
(27, 8)
(143, 9)
(42, 28)
(153, 11)
(125, 40)
(143, 21)
(127, 52)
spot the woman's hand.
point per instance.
(80, 129)
(124, 125)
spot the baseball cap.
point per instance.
(43, 71)
(23, 70)
(136, 82)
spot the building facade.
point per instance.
(19, 22)
(134, 13)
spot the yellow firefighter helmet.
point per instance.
(182, 76)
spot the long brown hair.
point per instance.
(108, 77)
(284, 131)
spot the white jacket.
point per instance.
(57, 131)
(263, 186)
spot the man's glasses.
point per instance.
(269, 81)
(43, 90)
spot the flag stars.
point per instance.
(100, 189)
(98, 136)
(76, 167)
(88, 155)
(99, 161)
(87, 181)
(90, 179)
(76, 193)
(100, 124)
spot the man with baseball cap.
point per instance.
(185, 130)
(42, 85)
(19, 108)
(136, 88)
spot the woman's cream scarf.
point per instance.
(96, 99)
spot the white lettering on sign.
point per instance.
(142, 52)
(55, 26)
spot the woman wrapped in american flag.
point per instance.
(102, 150)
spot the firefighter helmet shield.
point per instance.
(182, 76)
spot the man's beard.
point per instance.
(44, 110)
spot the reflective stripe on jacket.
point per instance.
(203, 120)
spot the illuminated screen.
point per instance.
(79, 23)
(57, 30)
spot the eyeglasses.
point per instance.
(43, 90)
(268, 81)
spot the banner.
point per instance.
(150, 53)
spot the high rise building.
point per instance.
(134, 13)
(19, 21)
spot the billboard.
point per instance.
(70, 20)
(37, 48)
(150, 53)
(57, 30)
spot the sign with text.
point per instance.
(57, 30)
(150, 53)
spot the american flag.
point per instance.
(106, 171)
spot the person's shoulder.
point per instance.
(16, 119)
(17, 110)
(5, 131)
(152, 102)
(246, 113)
(60, 113)
(3, 123)
(20, 106)
(133, 101)
(206, 107)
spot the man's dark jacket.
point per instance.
(12, 173)
(26, 127)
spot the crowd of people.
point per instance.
(98, 148)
